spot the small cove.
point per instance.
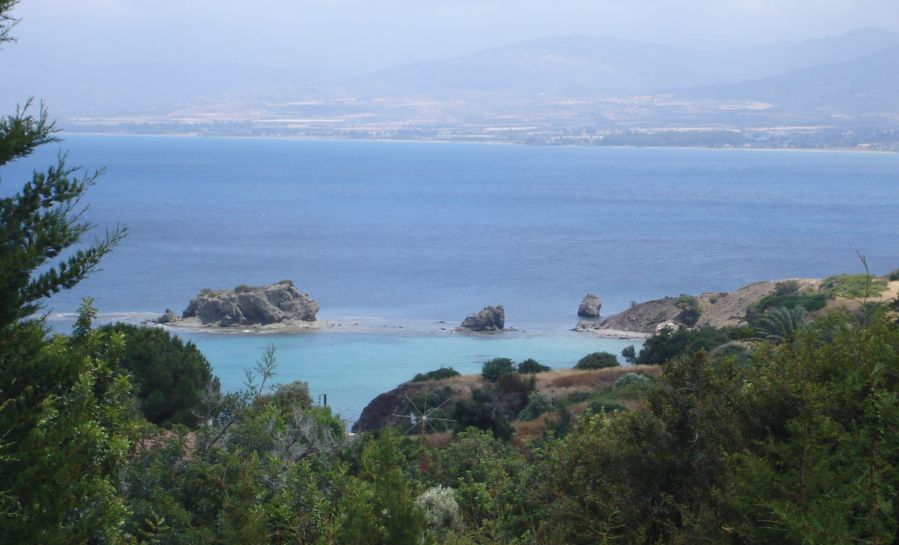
(351, 368)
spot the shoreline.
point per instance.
(384, 327)
(194, 135)
(351, 325)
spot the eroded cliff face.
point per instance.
(247, 306)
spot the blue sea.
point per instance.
(420, 234)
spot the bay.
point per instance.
(419, 233)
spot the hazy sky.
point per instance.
(353, 36)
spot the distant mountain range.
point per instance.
(585, 66)
(836, 91)
(863, 86)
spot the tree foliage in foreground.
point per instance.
(42, 224)
(794, 443)
(169, 375)
(66, 431)
(798, 446)
(65, 427)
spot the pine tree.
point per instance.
(380, 508)
(64, 419)
(41, 222)
(6, 20)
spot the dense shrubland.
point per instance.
(791, 441)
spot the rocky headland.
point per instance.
(733, 308)
(716, 309)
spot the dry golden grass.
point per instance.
(567, 381)
(559, 379)
(529, 430)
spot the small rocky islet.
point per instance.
(280, 303)
(489, 319)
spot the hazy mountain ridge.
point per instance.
(569, 89)
(589, 66)
(866, 85)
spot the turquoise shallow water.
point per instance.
(352, 368)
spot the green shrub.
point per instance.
(437, 374)
(854, 286)
(499, 401)
(667, 344)
(601, 406)
(169, 375)
(893, 276)
(787, 294)
(480, 412)
(629, 354)
(629, 379)
(689, 309)
(442, 514)
(293, 394)
(531, 365)
(537, 404)
(496, 368)
(597, 360)
(633, 386)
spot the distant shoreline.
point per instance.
(298, 138)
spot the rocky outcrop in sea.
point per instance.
(168, 317)
(250, 306)
(590, 306)
(489, 319)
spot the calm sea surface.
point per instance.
(414, 233)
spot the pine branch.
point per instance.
(21, 133)
(6, 20)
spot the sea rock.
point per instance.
(489, 319)
(590, 306)
(168, 317)
(245, 305)
(586, 325)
